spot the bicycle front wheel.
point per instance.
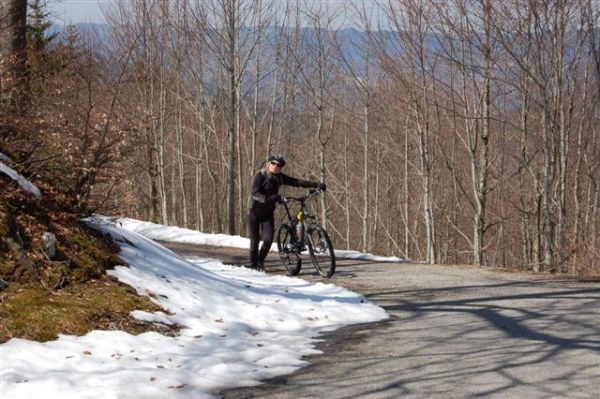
(287, 250)
(321, 250)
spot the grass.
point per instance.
(33, 313)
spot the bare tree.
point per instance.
(317, 74)
(407, 59)
(360, 69)
(232, 30)
(475, 59)
(451, 133)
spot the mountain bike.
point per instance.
(302, 232)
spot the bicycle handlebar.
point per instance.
(312, 193)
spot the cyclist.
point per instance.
(265, 195)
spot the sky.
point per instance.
(238, 326)
(78, 11)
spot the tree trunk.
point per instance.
(14, 76)
(181, 169)
(374, 238)
(365, 188)
(233, 117)
(174, 198)
(346, 190)
(199, 185)
(160, 143)
(406, 195)
(481, 181)
(547, 215)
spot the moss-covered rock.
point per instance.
(32, 312)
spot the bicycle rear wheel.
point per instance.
(321, 250)
(287, 253)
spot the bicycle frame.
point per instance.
(301, 232)
(301, 216)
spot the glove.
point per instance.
(322, 186)
(282, 199)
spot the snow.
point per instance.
(177, 234)
(23, 182)
(238, 327)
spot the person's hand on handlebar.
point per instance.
(322, 186)
(282, 199)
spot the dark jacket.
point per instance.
(265, 190)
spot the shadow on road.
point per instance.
(459, 342)
(452, 333)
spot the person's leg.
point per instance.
(267, 237)
(253, 233)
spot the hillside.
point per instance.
(44, 294)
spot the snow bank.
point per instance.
(238, 327)
(176, 234)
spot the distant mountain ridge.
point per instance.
(92, 32)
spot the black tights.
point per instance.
(256, 226)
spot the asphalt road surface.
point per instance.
(453, 332)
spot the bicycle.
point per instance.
(296, 235)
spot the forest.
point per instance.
(455, 132)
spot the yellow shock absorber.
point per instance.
(300, 225)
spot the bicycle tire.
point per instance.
(289, 257)
(321, 250)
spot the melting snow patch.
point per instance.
(176, 234)
(23, 182)
(238, 327)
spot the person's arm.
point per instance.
(295, 182)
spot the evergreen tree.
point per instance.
(38, 25)
(14, 76)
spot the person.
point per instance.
(265, 195)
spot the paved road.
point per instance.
(453, 332)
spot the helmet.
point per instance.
(278, 158)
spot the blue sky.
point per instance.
(76, 11)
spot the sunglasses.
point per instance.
(276, 164)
